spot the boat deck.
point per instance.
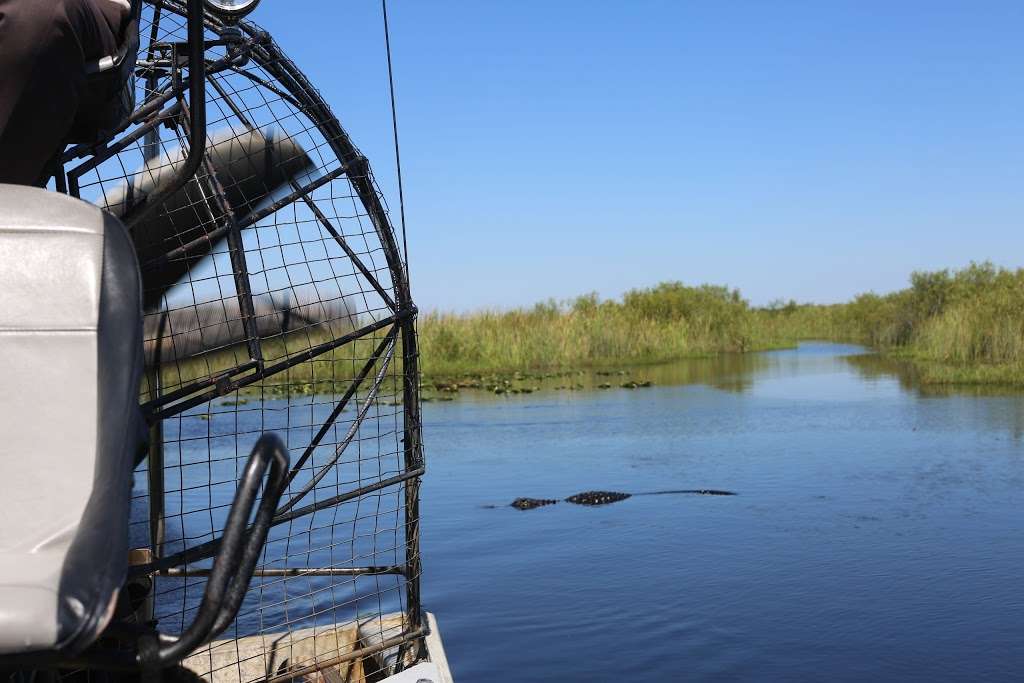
(341, 654)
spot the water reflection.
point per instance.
(873, 366)
(982, 401)
(732, 372)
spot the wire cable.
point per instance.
(394, 130)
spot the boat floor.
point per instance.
(312, 655)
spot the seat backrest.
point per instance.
(71, 352)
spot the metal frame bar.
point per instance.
(246, 221)
(290, 99)
(224, 385)
(336, 234)
(153, 105)
(207, 550)
(108, 152)
(155, 466)
(369, 402)
(236, 252)
(273, 60)
(239, 551)
(239, 114)
(197, 118)
(340, 406)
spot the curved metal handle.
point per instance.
(240, 549)
(196, 111)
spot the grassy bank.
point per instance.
(654, 325)
(954, 327)
(958, 327)
(963, 326)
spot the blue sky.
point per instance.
(807, 150)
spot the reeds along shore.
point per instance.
(956, 327)
(963, 326)
(663, 323)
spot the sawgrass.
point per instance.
(956, 327)
(663, 323)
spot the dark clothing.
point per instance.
(44, 46)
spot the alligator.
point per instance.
(593, 498)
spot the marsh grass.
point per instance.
(959, 327)
(956, 327)
(664, 323)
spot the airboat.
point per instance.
(212, 436)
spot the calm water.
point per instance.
(878, 534)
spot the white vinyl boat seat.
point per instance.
(71, 348)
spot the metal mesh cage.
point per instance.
(276, 300)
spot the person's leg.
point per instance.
(44, 48)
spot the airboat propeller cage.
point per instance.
(276, 299)
(249, 166)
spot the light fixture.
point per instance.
(231, 9)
